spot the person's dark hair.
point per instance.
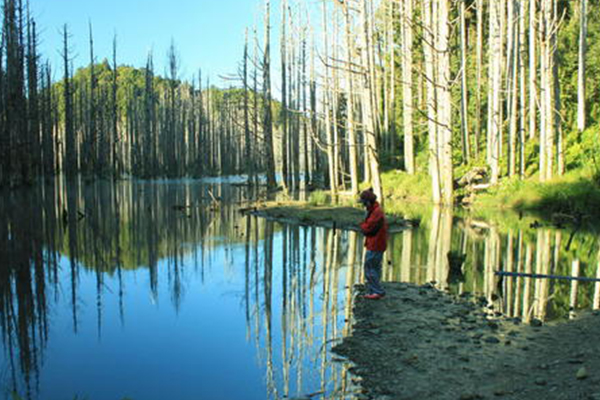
(368, 196)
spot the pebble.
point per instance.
(582, 373)
(536, 323)
(540, 382)
(470, 396)
(491, 339)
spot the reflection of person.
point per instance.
(375, 229)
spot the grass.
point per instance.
(575, 195)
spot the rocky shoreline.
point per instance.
(421, 343)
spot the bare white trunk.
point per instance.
(494, 106)
(581, 74)
(327, 107)
(350, 100)
(369, 109)
(444, 102)
(532, 70)
(522, 88)
(479, 62)
(406, 12)
(512, 74)
(464, 89)
(430, 79)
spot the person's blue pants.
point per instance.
(373, 261)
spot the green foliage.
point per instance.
(319, 198)
(581, 149)
(399, 185)
(575, 194)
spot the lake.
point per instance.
(151, 290)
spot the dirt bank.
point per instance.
(337, 217)
(420, 343)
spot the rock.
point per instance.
(470, 396)
(540, 382)
(491, 339)
(492, 325)
(536, 323)
(582, 373)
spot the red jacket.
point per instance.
(375, 229)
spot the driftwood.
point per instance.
(473, 181)
(475, 176)
(481, 186)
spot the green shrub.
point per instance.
(319, 198)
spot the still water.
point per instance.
(146, 290)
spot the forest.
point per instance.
(431, 87)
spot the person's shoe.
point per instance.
(372, 296)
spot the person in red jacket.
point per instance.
(375, 230)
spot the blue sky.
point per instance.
(208, 34)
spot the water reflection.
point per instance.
(154, 290)
(484, 247)
(78, 258)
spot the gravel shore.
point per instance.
(420, 343)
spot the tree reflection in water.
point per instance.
(296, 283)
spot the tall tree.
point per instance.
(444, 117)
(350, 96)
(368, 99)
(71, 153)
(581, 61)
(495, 88)
(284, 97)
(466, 150)
(268, 116)
(406, 23)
